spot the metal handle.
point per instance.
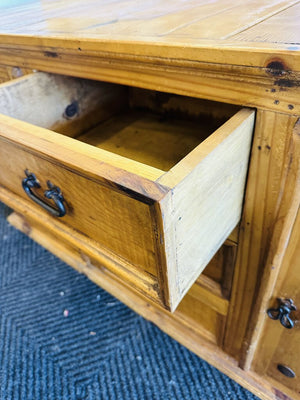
(282, 313)
(54, 193)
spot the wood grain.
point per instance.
(97, 25)
(208, 187)
(84, 250)
(42, 99)
(117, 222)
(228, 22)
(221, 267)
(267, 31)
(275, 344)
(99, 163)
(261, 87)
(264, 191)
(278, 345)
(151, 139)
(280, 273)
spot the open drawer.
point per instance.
(155, 181)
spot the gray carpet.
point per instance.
(64, 338)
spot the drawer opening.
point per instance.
(156, 181)
(154, 128)
(149, 138)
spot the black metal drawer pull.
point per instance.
(54, 193)
(282, 313)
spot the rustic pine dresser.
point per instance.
(154, 146)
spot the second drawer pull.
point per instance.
(54, 193)
(282, 312)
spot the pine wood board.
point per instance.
(263, 87)
(147, 138)
(271, 28)
(266, 179)
(281, 264)
(227, 22)
(198, 31)
(131, 19)
(205, 170)
(42, 100)
(278, 345)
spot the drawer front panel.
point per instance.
(116, 221)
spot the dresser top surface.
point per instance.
(248, 32)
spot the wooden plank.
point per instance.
(264, 190)
(145, 29)
(264, 88)
(42, 99)
(240, 124)
(271, 30)
(119, 223)
(159, 25)
(274, 344)
(278, 345)
(229, 22)
(76, 17)
(208, 187)
(148, 138)
(112, 169)
(234, 52)
(191, 108)
(210, 294)
(284, 238)
(129, 18)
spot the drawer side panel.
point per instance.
(204, 207)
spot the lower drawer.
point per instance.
(155, 180)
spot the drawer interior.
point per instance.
(153, 128)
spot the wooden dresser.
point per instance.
(154, 146)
